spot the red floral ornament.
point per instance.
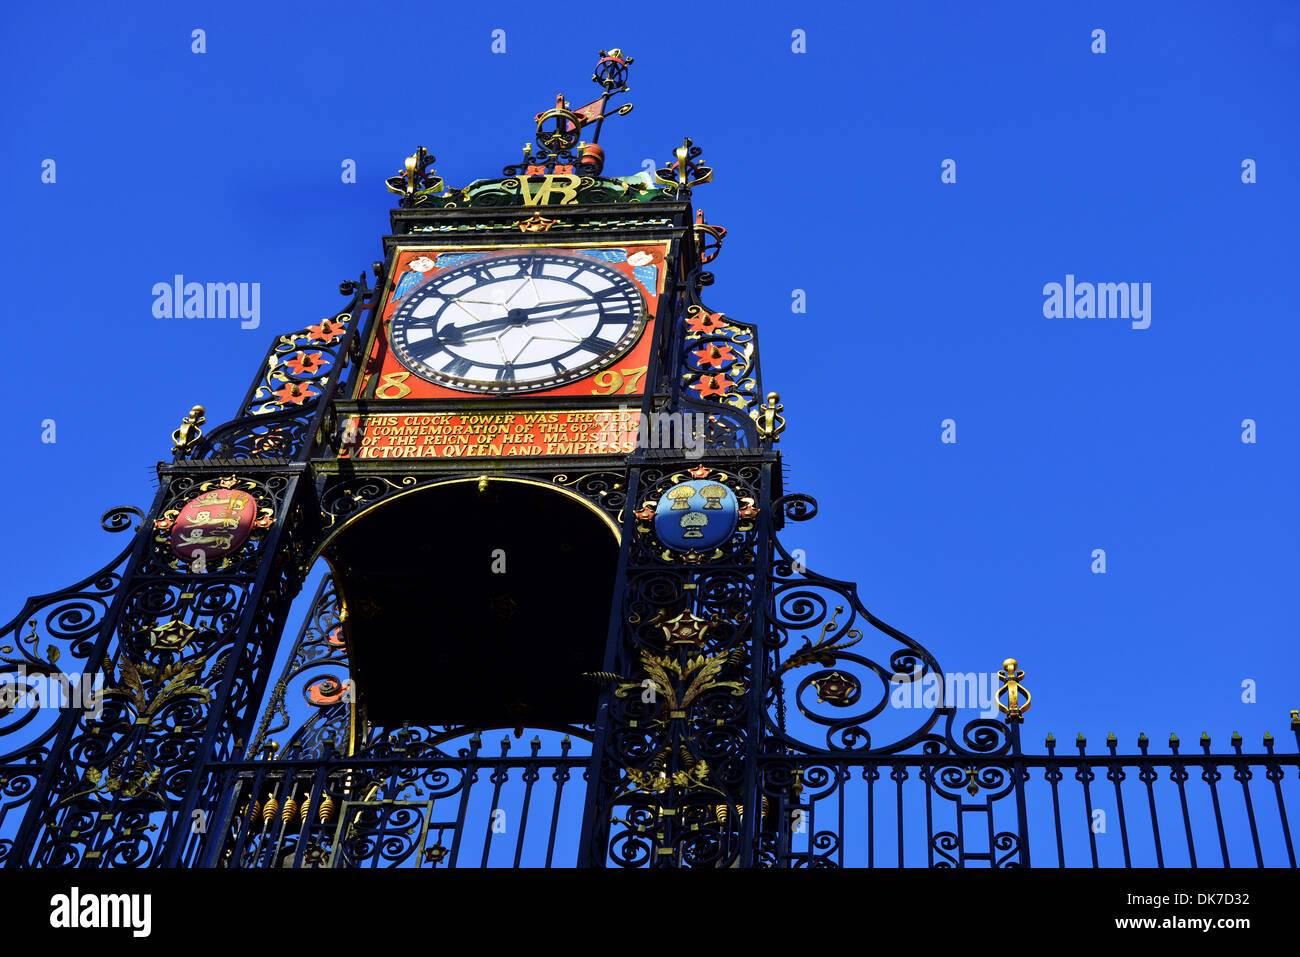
(325, 331)
(704, 322)
(294, 393)
(303, 363)
(836, 689)
(708, 385)
(685, 629)
(715, 355)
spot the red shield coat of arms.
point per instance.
(214, 524)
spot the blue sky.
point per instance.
(925, 299)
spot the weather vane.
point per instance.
(559, 130)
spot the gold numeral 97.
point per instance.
(609, 381)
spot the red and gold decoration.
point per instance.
(687, 629)
(214, 524)
(536, 223)
(560, 148)
(708, 239)
(462, 435)
(298, 366)
(468, 349)
(719, 361)
(327, 691)
(837, 689)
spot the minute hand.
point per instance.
(488, 327)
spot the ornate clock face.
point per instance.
(518, 322)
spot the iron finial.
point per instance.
(1011, 676)
(562, 150)
(187, 436)
(771, 423)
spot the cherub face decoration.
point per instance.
(414, 275)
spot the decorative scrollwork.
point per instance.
(831, 625)
(278, 419)
(52, 634)
(318, 669)
(560, 149)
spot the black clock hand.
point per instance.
(456, 335)
(459, 335)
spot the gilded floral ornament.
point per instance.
(177, 680)
(825, 651)
(171, 635)
(298, 366)
(699, 674)
(720, 366)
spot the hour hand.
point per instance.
(459, 335)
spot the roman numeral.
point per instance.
(457, 367)
(598, 345)
(424, 348)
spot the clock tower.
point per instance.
(544, 480)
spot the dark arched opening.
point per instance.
(443, 585)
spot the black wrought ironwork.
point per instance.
(747, 715)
